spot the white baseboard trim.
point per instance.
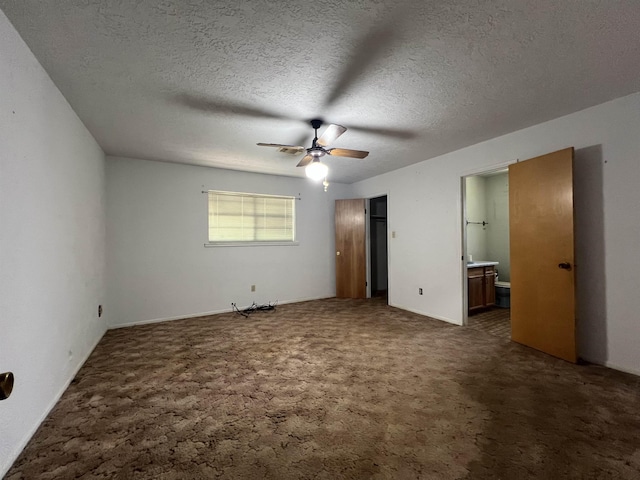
(607, 364)
(613, 366)
(426, 314)
(309, 299)
(27, 438)
(168, 319)
(205, 314)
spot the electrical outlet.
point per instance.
(99, 311)
(393, 234)
(419, 291)
(253, 288)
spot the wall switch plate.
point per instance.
(253, 288)
(393, 234)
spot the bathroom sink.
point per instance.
(483, 263)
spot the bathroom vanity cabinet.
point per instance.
(481, 285)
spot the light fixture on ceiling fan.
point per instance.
(316, 170)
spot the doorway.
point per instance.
(378, 248)
(487, 253)
(541, 268)
(361, 248)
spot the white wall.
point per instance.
(52, 231)
(52, 236)
(476, 203)
(158, 267)
(427, 249)
(497, 207)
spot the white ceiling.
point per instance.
(202, 82)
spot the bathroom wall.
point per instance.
(476, 212)
(497, 232)
(487, 199)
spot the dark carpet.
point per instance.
(333, 389)
(494, 321)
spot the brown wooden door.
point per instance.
(542, 254)
(351, 267)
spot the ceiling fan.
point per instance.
(318, 149)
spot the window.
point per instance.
(249, 219)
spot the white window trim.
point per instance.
(252, 244)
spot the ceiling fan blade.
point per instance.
(345, 152)
(306, 160)
(218, 106)
(370, 49)
(303, 139)
(331, 134)
(386, 132)
(278, 145)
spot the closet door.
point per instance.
(351, 263)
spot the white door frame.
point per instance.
(463, 216)
(367, 200)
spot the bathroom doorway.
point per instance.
(486, 251)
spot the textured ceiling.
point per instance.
(202, 82)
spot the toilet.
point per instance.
(503, 294)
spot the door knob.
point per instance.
(565, 265)
(6, 385)
(337, 253)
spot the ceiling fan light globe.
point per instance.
(316, 170)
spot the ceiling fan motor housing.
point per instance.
(316, 151)
(316, 123)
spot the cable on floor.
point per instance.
(254, 307)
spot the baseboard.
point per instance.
(309, 299)
(205, 314)
(168, 319)
(426, 314)
(613, 366)
(21, 446)
(607, 364)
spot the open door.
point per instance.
(542, 254)
(351, 260)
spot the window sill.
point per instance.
(251, 244)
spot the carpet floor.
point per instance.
(495, 321)
(333, 389)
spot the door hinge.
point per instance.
(365, 210)
(366, 284)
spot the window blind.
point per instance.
(248, 217)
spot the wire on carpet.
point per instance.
(254, 307)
